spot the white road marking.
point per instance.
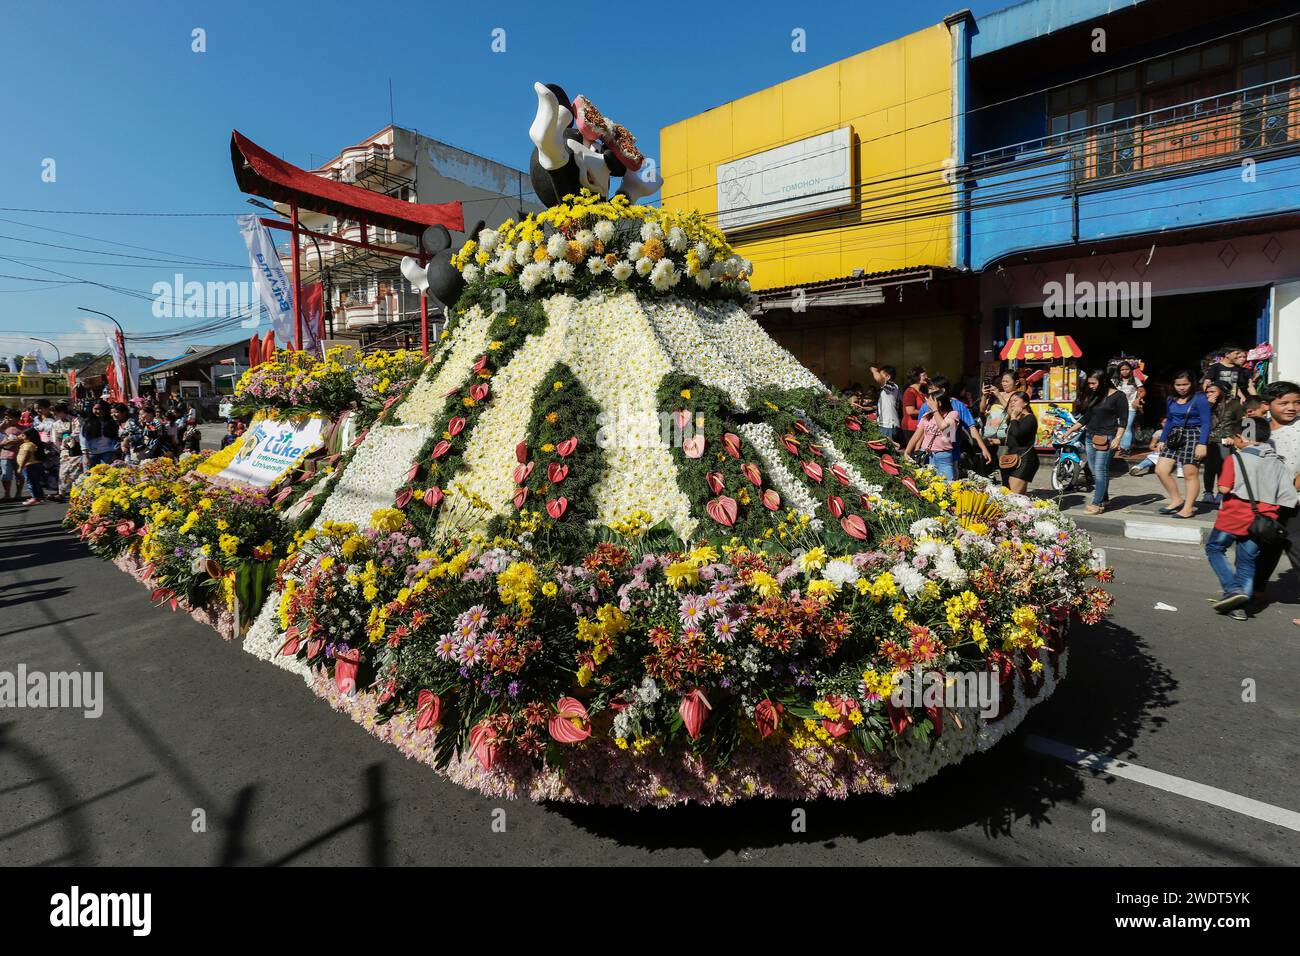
(1167, 782)
(1160, 554)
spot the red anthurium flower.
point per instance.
(723, 510)
(802, 427)
(840, 727)
(456, 426)
(852, 424)
(767, 715)
(483, 745)
(481, 364)
(840, 473)
(556, 473)
(570, 723)
(877, 444)
(771, 500)
(345, 671)
(693, 447)
(428, 708)
(480, 391)
(813, 470)
(854, 527)
(314, 646)
(888, 463)
(694, 708)
(910, 484)
(523, 471)
(899, 717)
(403, 498)
(731, 444)
(567, 447)
(413, 472)
(836, 504)
(283, 496)
(520, 496)
(817, 450)
(714, 480)
(433, 497)
(865, 501)
(291, 643)
(555, 507)
(454, 391)
(521, 452)
(440, 449)
(750, 471)
(936, 718)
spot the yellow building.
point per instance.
(837, 186)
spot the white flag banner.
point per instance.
(119, 363)
(268, 275)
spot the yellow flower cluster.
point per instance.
(633, 525)
(517, 584)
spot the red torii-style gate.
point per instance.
(263, 174)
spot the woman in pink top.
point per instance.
(936, 434)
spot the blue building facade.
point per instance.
(1147, 147)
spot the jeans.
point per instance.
(1243, 579)
(945, 463)
(1099, 462)
(1126, 440)
(102, 457)
(35, 475)
(890, 432)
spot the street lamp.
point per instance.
(58, 356)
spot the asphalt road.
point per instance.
(193, 723)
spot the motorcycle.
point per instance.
(1070, 469)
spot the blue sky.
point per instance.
(135, 121)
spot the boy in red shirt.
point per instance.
(1270, 487)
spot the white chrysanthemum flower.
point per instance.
(556, 245)
(470, 273)
(677, 240)
(622, 270)
(524, 252)
(534, 274)
(746, 266)
(718, 269)
(663, 276)
(908, 578)
(596, 265)
(604, 230)
(563, 271)
(703, 251)
(585, 238)
(651, 230)
(703, 279)
(634, 251)
(488, 239)
(840, 572)
(644, 265)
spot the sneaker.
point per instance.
(1230, 601)
(32, 501)
(1138, 471)
(1237, 614)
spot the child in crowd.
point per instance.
(31, 465)
(1252, 472)
(11, 439)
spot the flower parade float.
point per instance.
(612, 544)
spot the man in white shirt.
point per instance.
(889, 406)
(1283, 400)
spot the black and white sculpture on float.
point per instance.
(575, 147)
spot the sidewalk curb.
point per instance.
(1144, 528)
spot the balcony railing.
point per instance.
(1264, 118)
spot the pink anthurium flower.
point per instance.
(556, 472)
(766, 716)
(292, 640)
(570, 724)
(283, 496)
(480, 391)
(854, 527)
(693, 447)
(314, 647)
(520, 496)
(683, 418)
(433, 497)
(750, 471)
(817, 449)
(523, 471)
(483, 745)
(567, 447)
(428, 708)
(888, 463)
(403, 497)
(555, 507)
(456, 426)
(836, 505)
(521, 452)
(813, 471)
(910, 484)
(714, 480)
(731, 444)
(877, 444)
(413, 472)
(481, 364)
(801, 426)
(771, 500)
(694, 708)
(723, 510)
(345, 671)
(441, 449)
(840, 473)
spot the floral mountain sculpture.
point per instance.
(616, 545)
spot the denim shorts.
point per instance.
(8, 469)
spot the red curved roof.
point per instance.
(263, 174)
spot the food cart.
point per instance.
(1054, 359)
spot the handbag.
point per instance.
(1263, 530)
(1101, 442)
(1008, 462)
(1176, 436)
